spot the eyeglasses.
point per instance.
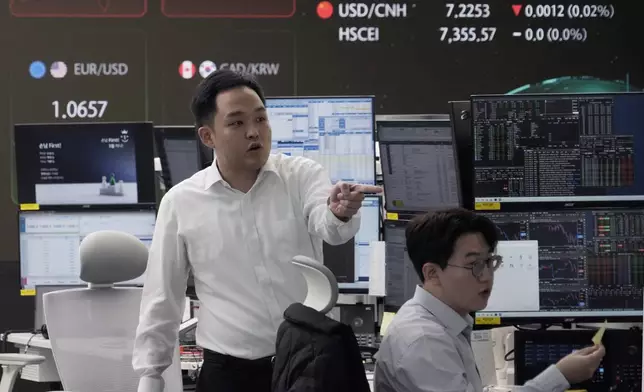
(478, 267)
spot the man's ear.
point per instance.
(429, 271)
(207, 136)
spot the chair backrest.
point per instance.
(322, 286)
(92, 329)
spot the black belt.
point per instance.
(229, 360)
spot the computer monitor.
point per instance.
(419, 166)
(577, 264)
(50, 240)
(336, 132)
(84, 165)
(401, 278)
(462, 128)
(369, 232)
(180, 153)
(557, 148)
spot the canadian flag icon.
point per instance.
(187, 70)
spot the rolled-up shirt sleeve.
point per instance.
(162, 301)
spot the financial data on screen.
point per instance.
(369, 232)
(419, 165)
(400, 277)
(569, 263)
(558, 148)
(336, 132)
(49, 242)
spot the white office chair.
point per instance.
(322, 287)
(11, 366)
(92, 329)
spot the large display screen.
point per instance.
(563, 148)
(85, 164)
(336, 132)
(50, 241)
(140, 60)
(576, 264)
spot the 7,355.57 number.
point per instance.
(79, 109)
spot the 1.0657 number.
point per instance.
(80, 109)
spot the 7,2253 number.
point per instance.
(80, 109)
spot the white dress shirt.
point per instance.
(427, 349)
(239, 247)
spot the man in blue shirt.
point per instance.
(427, 347)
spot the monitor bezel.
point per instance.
(361, 290)
(462, 128)
(373, 115)
(108, 209)
(176, 132)
(445, 122)
(144, 161)
(540, 205)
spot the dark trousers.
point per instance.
(223, 373)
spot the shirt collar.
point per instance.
(213, 175)
(454, 322)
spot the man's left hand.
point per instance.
(346, 199)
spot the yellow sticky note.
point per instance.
(392, 216)
(597, 339)
(29, 207)
(487, 206)
(28, 292)
(386, 320)
(487, 320)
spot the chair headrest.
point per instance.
(110, 256)
(322, 285)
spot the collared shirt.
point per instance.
(427, 349)
(239, 247)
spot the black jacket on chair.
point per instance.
(316, 354)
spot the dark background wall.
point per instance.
(417, 65)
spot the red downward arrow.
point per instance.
(517, 9)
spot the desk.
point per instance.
(46, 371)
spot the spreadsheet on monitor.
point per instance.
(49, 242)
(369, 232)
(419, 166)
(336, 132)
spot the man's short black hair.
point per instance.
(431, 237)
(203, 105)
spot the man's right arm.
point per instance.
(162, 301)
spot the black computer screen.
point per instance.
(400, 277)
(98, 164)
(462, 127)
(585, 264)
(558, 148)
(180, 153)
(419, 167)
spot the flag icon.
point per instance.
(187, 69)
(58, 69)
(206, 68)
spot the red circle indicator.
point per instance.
(325, 10)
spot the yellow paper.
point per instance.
(597, 339)
(386, 320)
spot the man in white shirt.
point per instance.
(237, 225)
(427, 347)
